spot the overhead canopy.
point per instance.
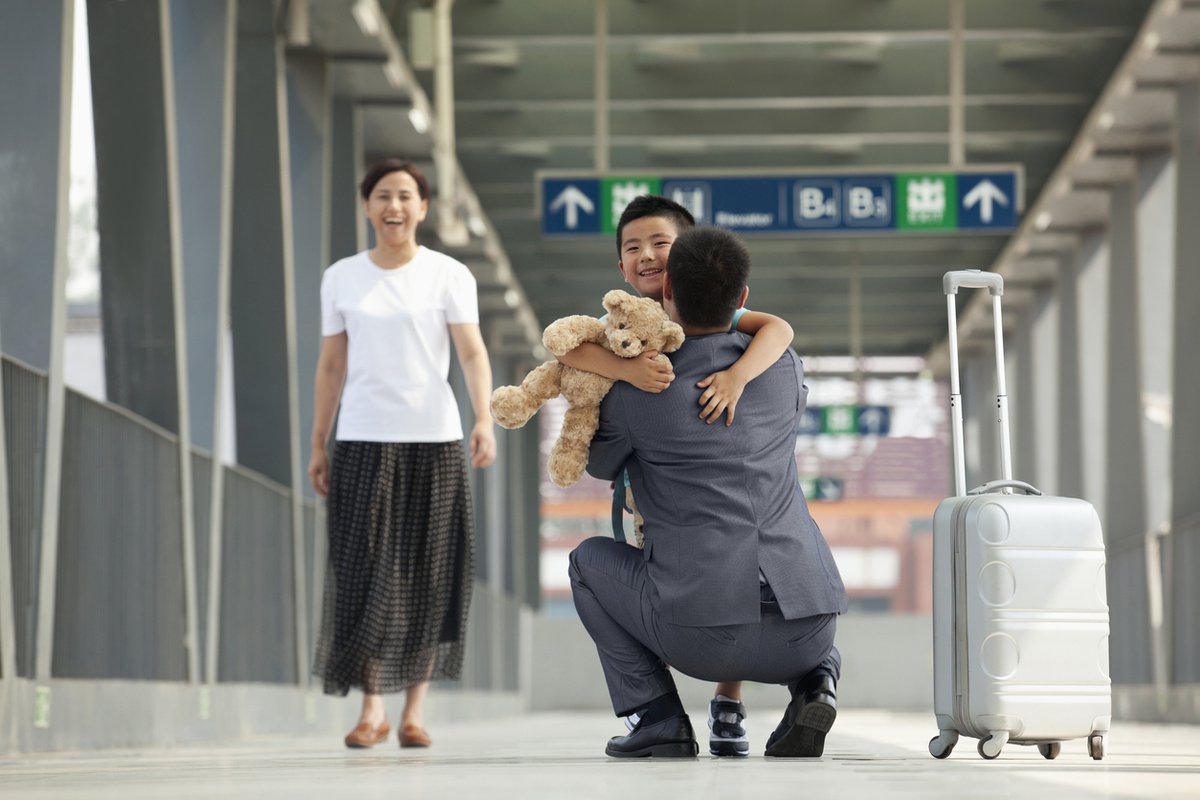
(757, 87)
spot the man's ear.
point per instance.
(668, 290)
(745, 294)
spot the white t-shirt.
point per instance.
(399, 344)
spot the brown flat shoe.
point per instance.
(414, 736)
(366, 735)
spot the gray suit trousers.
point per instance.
(616, 603)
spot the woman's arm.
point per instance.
(646, 372)
(327, 391)
(772, 336)
(477, 370)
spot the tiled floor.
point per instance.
(869, 755)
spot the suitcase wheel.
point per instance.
(941, 745)
(1097, 746)
(1050, 750)
(990, 746)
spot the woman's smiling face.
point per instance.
(395, 208)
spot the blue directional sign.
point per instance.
(845, 420)
(746, 204)
(900, 200)
(810, 421)
(571, 206)
(874, 420)
(867, 201)
(986, 201)
(818, 203)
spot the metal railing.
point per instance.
(120, 598)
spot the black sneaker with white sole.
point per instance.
(726, 734)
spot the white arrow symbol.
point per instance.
(573, 200)
(984, 193)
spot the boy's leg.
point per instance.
(726, 721)
(639, 531)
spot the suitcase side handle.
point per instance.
(996, 486)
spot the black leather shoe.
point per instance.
(810, 715)
(671, 738)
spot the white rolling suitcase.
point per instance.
(1020, 615)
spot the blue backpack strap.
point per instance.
(618, 508)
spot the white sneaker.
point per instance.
(726, 734)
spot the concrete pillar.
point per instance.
(203, 69)
(347, 231)
(1045, 385)
(1156, 191)
(1185, 453)
(262, 287)
(33, 138)
(140, 227)
(981, 453)
(984, 400)
(532, 497)
(1069, 429)
(135, 207)
(1124, 503)
(1091, 295)
(309, 107)
(1020, 390)
(203, 38)
(1125, 506)
(261, 256)
(36, 43)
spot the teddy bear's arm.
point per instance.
(564, 335)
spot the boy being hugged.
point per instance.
(645, 232)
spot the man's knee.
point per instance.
(582, 556)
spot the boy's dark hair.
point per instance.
(377, 171)
(654, 205)
(708, 268)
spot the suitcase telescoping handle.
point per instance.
(994, 283)
(998, 486)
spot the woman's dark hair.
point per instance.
(708, 267)
(377, 171)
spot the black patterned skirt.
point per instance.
(401, 566)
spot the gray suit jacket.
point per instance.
(720, 503)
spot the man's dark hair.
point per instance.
(708, 268)
(653, 205)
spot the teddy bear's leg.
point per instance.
(512, 406)
(639, 524)
(570, 453)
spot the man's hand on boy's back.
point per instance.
(721, 393)
(648, 372)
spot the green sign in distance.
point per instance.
(839, 419)
(616, 193)
(927, 201)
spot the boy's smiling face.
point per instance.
(645, 245)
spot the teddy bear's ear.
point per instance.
(614, 299)
(672, 337)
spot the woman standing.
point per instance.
(401, 538)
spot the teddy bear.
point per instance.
(634, 325)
